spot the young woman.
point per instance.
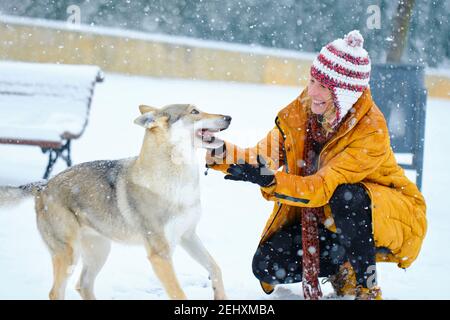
(336, 164)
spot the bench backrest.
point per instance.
(45, 102)
(399, 92)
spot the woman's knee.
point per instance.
(260, 263)
(273, 269)
(263, 265)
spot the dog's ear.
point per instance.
(147, 120)
(145, 109)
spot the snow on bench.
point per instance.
(45, 105)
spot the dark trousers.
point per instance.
(279, 260)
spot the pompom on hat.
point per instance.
(343, 66)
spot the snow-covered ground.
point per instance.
(234, 213)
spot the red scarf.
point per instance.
(310, 217)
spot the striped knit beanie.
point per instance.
(343, 66)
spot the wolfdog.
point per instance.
(152, 199)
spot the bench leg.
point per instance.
(66, 156)
(54, 154)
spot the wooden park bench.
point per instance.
(45, 105)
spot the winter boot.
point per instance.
(343, 282)
(267, 288)
(373, 293)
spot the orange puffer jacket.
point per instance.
(359, 152)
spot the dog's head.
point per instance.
(182, 118)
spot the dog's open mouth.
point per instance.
(207, 135)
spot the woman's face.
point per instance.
(320, 95)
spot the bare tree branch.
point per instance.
(400, 30)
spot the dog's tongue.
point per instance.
(207, 136)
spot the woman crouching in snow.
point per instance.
(340, 184)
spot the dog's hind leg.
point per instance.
(161, 260)
(94, 252)
(193, 245)
(63, 264)
(59, 230)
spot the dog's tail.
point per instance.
(10, 196)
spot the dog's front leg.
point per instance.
(193, 245)
(161, 260)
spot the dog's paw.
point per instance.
(220, 296)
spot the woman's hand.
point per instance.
(259, 174)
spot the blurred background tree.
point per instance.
(299, 25)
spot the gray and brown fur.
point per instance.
(150, 199)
